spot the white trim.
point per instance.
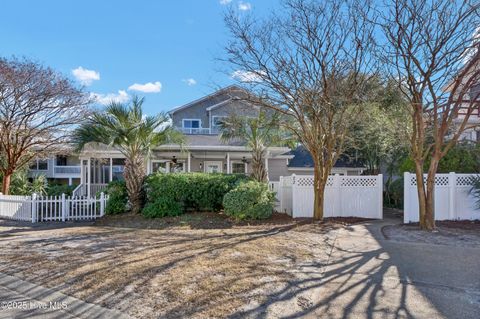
(206, 163)
(214, 106)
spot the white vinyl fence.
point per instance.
(453, 200)
(345, 196)
(51, 208)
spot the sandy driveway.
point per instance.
(273, 271)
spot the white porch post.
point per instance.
(188, 162)
(266, 165)
(110, 172)
(82, 177)
(149, 166)
(89, 172)
(228, 163)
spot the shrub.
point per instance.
(117, 198)
(188, 191)
(394, 194)
(59, 189)
(162, 207)
(251, 200)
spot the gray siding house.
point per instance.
(204, 151)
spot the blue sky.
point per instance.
(167, 48)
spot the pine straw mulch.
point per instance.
(195, 265)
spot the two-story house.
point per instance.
(204, 150)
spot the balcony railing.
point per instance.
(68, 170)
(200, 131)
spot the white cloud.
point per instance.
(190, 81)
(147, 87)
(246, 76)
(224, 2)
(104, 99)
(244, 6)
(84, 76)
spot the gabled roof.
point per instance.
(218, 92)
(303, 159)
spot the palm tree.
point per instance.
(259, 133)
(126, 128)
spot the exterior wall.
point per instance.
(277, 167)
(198, 111)
(233, 108)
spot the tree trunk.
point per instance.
(7, 178)
(134, 175)
(319, 193)
(428, 222)
(259, 172)
(426, 200)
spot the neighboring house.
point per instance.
(302, 164)
(204, 150)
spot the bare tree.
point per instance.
(38, 108)
(429, 50)
(309, 62)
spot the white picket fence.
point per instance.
(453, 200)
(345, 196)
(51, 208)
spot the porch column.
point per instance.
(82, 177)
(188, 162)
(266, 164)
(110, 171)
(89, 172)
(228, 163)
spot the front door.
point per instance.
(213, 167)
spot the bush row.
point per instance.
(175, 194)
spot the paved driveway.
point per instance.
(342, 272)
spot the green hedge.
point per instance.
(117, 198)
(174, 194)
(251, 200)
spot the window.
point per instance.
(213, 167)
(39, 165)
(178, 167)
(238, 168)
(191, 123)
(61, 160)
(216, 121)
(165, 166)
(159, 167)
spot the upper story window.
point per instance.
(61, 160)
(39, 165)
(191, 123)
(216, 122)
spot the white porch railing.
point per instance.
(82, 189)
(70, 170)
(51, 208)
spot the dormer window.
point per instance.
(191, 123)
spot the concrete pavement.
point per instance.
(368, 276)
(23, 299)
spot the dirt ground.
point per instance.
(189, 266)
(463, 233)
